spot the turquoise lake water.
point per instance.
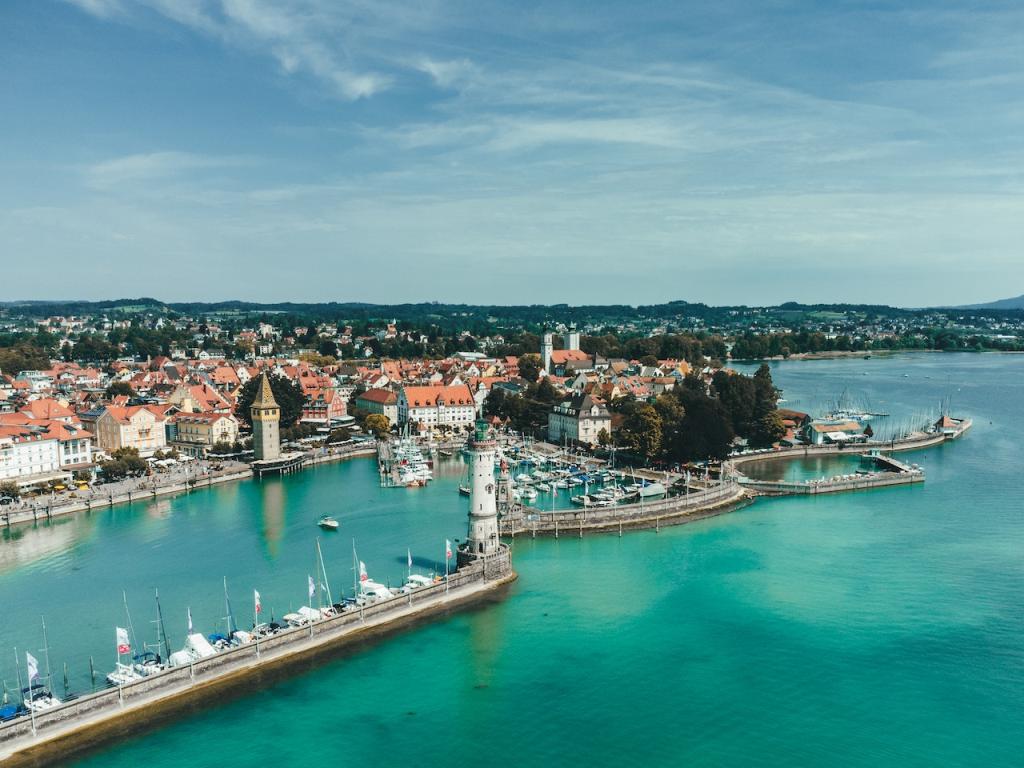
(882, 628)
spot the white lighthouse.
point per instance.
(483, 508)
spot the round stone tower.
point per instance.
(483, 509)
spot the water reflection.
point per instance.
(273, 514)
(26, 544)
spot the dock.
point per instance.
(95, 719)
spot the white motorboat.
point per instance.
(196, 647)
(328, 523)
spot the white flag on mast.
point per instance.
(256, 601)
(33, 667)
(312, 587)
(189, 621)
(447, 550)
(409, 558)
(121, 637)
(363, 576)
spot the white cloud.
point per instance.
(101, 8)
(152, 166)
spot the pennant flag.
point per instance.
(447, 550)
(33, 667)
(409, 553)
(362, 572)
(123, 646)
(256, 599)
(312, 587)
(190, 621)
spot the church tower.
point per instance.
(483, 510)
(266, 418)
(572, 338)
(547, 346)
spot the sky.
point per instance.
(512, 153)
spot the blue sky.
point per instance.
(518, 152)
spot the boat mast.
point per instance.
(46, 651)
(323, 570)
(131, 627)
(17, 667)
(227, 607)
(355, 571)
(161, 630)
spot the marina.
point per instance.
(297, 527)
(145, 682)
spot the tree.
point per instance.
(124, 462)
(529, 367)
(10, 489)
(287, 393)
(23, 357)
(378, 424)
(118, 388)
(339, 435)
(641, 431)
(603, 438)
(705, 431)
(221, 448)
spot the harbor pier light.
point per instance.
(482, 539)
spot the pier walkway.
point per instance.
(699, 502)
(116, 712)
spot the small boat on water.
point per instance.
(328, 523)
(464, 490)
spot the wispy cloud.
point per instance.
(102, 8)
(153, 166)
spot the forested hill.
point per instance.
(1015, 303)
(525, 315)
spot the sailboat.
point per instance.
(37, 695)
(124, 642)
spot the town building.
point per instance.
(437, 407)
(137, 426)
(29, 456)
(196, 433)
(382, 401)
(579, 419)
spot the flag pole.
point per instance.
(31, 698)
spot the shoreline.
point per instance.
(33, 516)
(150, 712)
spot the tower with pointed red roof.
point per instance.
(266, 422)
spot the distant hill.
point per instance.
(1015, 303)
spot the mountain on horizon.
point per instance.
(1017, 302)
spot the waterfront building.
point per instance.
(579, 419)
(196, 433)
(28, 456)
(136, 426)
(437, 407)
(822, 433)
(266, 419)
(382, 401)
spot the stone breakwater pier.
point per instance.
(95, 719)
(703, 499)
